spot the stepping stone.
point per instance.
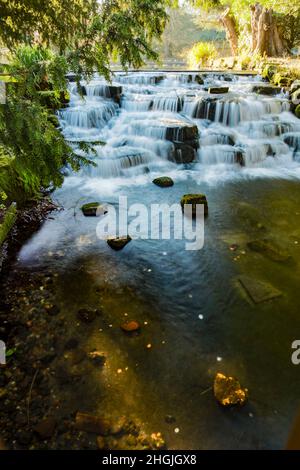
(218, 90)
(163, 181)
(259, 291)
(118, 243)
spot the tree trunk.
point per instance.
(266, 39)
(229, 24)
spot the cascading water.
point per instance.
(161, 118)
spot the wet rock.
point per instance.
(198, 79)
(183, 152)
(52, 310)
(118, 243)
(218, 90)
(92, 424)
(92, 209)
(163, 181)
(98, 358)
(45, 428)
(270, 250)
(194, 200)
(228, 391)
(266, 90)
(296, 96)
(258, 291)
(131, 326)
(297, 111)
(180, 131)
(87, 315)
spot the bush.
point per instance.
(201, 53)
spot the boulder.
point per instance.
(266, 90)
(184, 152)
(177, 131)
(218, 90)
(296, 97)
(163, 181)
(194, 199)
(119, 242)
(270, 250)
(228, 391)
(93, 209)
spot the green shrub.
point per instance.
(200, 53)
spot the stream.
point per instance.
(242, 150)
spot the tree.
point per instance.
(273, 27)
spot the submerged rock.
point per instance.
(87, 315)
(131, 326)
(92, 424)
(194, 199)
(269, 249)
(45, 428)
(119, 242)
(266, 90)
(163, 181)
(228, 391)
(218, 90)
(259, 291)
(93, 209)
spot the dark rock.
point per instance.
(184, 153)
(269, 249)
(218, 90)
(170, 419)
(92, 424)
(163, 181)
(87, 315)
(266, 90)
(297, 111)
(45, 428)
(98, 358)
(194, 199)
(118, 243)
(93, 209)
(258, 291)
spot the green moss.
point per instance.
(163, 181)
(8, 222)
(269, 71)
(90, 209)
(194, 200)
(297, 111)
(282, 79)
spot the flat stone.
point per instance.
(228, 391)
(218, 90)
(266, 90)
(92, 424)
(259, 291)
(118, 243)
(131, 326)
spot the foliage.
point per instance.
(200, 53)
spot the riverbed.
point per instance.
(196, 317)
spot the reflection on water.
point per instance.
(195, 318)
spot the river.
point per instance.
(195, 317)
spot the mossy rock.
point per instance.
(218, 90)
(194, 200)
(295, 86)
(266, 90)
(269, 71)
(281, 80)
(228, 391)
(119, 242)
(296, 97)
(163, 181)
(90, 209)
(297, 111)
